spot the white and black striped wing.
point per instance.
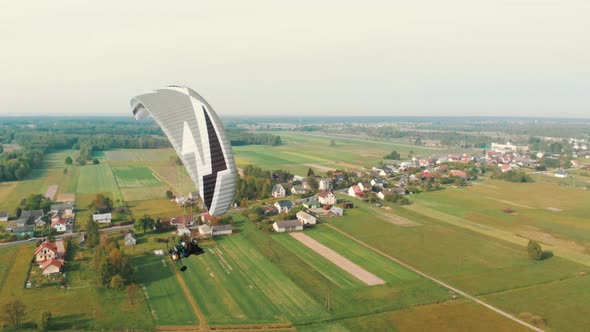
(197, 135)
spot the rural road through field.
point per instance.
(472, 298)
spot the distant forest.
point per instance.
(32, 138)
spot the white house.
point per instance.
(59, 225)
(326, 197)
(3, 216)
(278, 191)
(364, 186)
(561, 173)
(130, 239)
(104, 218)
(306, 218)
(287, 226)
(222, 229)
(181, 200)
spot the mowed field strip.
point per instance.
(342, 262)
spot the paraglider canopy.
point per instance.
(198, 136)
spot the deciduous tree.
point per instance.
(14, 313)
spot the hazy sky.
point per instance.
(496, 57)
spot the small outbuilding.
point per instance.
(130, 239)
(287, 226)
(306, 218)
(51, 266)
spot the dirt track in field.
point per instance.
(342, 262)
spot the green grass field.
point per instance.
(175, 177)
(560, 303)
(98, 179)
(166, 300)
(135, 177)
(148, 155)
(234, 284)
(473, 262)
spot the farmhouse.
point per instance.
(222, 229)
(385, 192)
(287, 226)
(284, 206)
(193, 195)
(45, 251)
(104, 218)
(181, 200)
(278, 191)
(207, 219)
(3, 216)
(183, 230)
(40, 223)
(51, 266)
(130, 239)
(306, 218)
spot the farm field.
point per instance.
(473, 262)
(558, 221)
(98, 179)
(559, 303)
(164, 295)
(157, 208)
(175, 177)
(138, 183)
(234, 284)
(300, 152)
(150, 155)
(392, 295)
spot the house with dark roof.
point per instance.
(283, 226)
(65, 209)
(310, 202)
(284, 206)
(24, 230)
(278, 191)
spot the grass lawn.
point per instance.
(166, 300)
